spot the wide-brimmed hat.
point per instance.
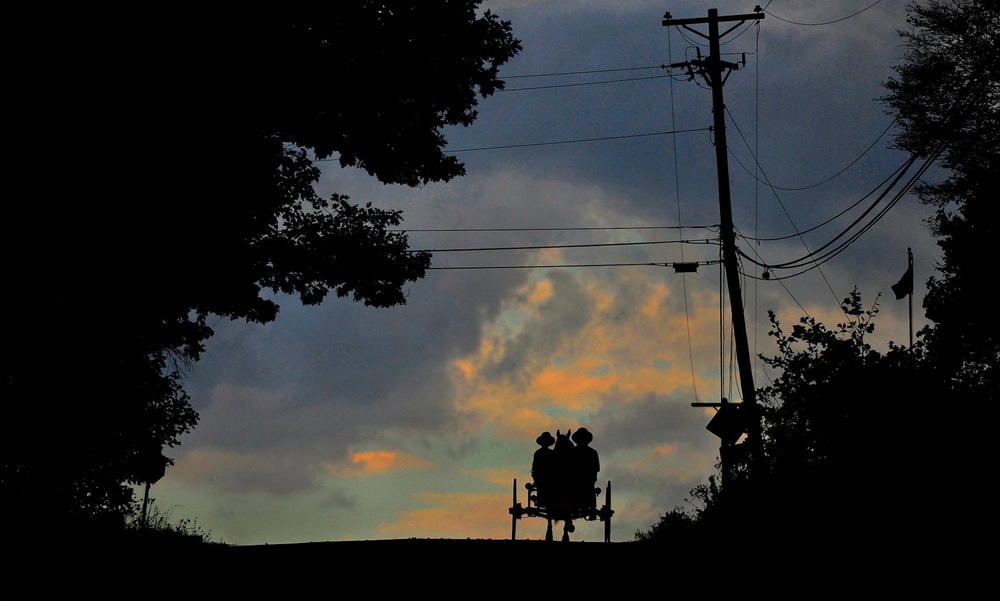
(582, 436)
(545, 439)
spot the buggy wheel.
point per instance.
(607, 513)
(514, 514)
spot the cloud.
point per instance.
(362, 463)
(570, 344)
(241, 472)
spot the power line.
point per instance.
(810, 258)
(812, 261)
(547, 247)
(572, 265)
(677, 194)
(578, 141)
(897, 174)
(588, 72)
(837, 174)
(780, 282)
(825, 22)
(775, 192)
(585, 83)
(737, 36)
(853, 205)
(560, 229)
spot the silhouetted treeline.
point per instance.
(158, 177)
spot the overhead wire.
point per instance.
(555, 246)
(832, 177)
(722, 328)
(563, 246)
(584, 72)
(680, 220)
(578, 141)
(843, 212)
(816, 258)
(929, 159)
(557, 229)
(816, 261)
(574, 265)
(824, 22)
(756, 187)
(583, 83)
(823, 275)
(757, 165)
(811, 257)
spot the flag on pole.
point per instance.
(905, 284)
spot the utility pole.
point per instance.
(715, 71)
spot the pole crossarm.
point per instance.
(668, 20)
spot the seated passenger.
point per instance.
(541, 467)
(585, 466)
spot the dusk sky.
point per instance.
(341, 422)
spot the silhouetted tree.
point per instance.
(946, 101)
(846, 429)
(674, 526)
(946, 98)
(856, 443)
(159, 169)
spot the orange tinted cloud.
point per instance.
(540, 292)
(632, 342)
(562, 383)
(665, 450)
(368, 463)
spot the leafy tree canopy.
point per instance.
(865, 451)
(946, 99)
(159, 169)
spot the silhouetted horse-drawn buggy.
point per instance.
(564, 487)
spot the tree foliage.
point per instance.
(851, 438)
(843, 426)
(946, 99)
(160, 172)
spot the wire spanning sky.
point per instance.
(553, 301)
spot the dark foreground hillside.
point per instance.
(488, 569)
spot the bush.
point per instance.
(157, 528)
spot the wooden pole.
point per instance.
(715, 70)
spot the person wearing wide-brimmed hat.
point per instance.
(586, 464)
(541, 466)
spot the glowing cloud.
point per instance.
(368, 463)
(572, 344)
